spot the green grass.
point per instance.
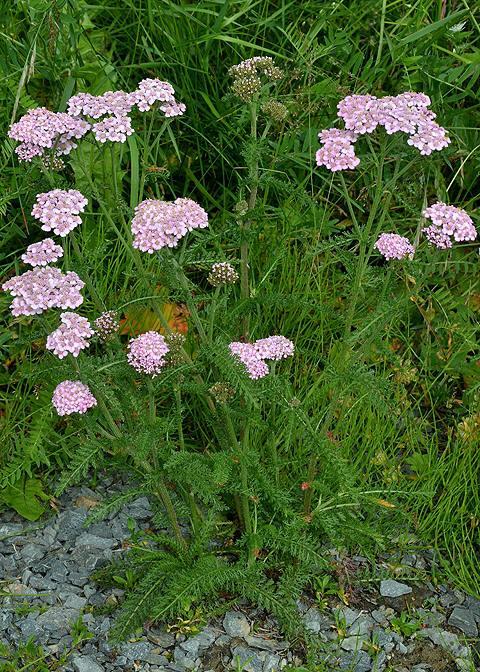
(411, 374)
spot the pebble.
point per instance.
(49, 569)
(464, 619)
(392, 588)
(236, 624)
(85, 664)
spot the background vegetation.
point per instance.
(407, 421)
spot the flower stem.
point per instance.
(245, 225)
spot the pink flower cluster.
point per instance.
(149, 91)
(393, 246)
(407, 112)
(72, 336)
(146, 353)
(448, 223)
(159, 224)
(72, 396)
(338, 151)
(253, 355)
(40, 130)
(43, 253)
(42, 288)
(58, 210)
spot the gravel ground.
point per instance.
(45, 571)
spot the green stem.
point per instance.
(245, 225)
(152, 410)
(164, 495)
(194, 510)
(99, 305)
(213, 309)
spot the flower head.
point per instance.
(42, 253)
(59, 210)
(42, 288)
(72, 335)
(393, 246)
(116, 103)
(113, 129)
(338, 151)
(274, 347)
(146, 353)
(222, 273)
(149, 91)
(159, 224)
(106, 324)
(249, 357)
(247, 76)
(408, 112)
(448, 223)
(40, 130)
(72, 396)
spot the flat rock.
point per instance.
(247, 659)
(358, 661)
(236, 624)
(314, 621)
(92, 541)
(392, 588)
(58, 619)
(136, 651)
(349, 616)
(464, 619)
(86, 664)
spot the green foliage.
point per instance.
(374, 423)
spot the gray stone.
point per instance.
(447, 640)
(392, 588)
(448, 600)
(464, 620)
(263, 644)
(362, 626)
(193, 645)
(30, 627)
(85, 664)
(136, 651)
(41, 583)
(352, 643)
(248, 659)
(92, 541)
(402, 649)
(380, 616)
(70, 524)
(58, 619)
(32, 553)
(430, 618)
(77, 580)
(349, 616)
(235, 624)
(272, 663)
(75, 602)
(314, 621)
(184, 659)
(355, 661)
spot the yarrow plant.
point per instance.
(72, 396)
(159, 224)
(43, 253)
(41, 131)
(448, 224)
(147, 352)
(58, 210)
(72, 336)
(169, 379)
(253, 355)
(42, 288)
(393, 246)
(362, 114)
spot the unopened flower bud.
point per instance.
(222, 392)
(222, 273)
(106, 324)
(175, 342)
